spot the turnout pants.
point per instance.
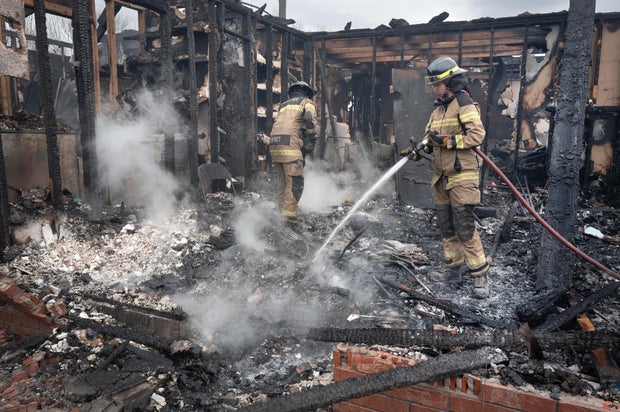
(455, 217)
(290, 187)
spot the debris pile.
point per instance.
(214, 310)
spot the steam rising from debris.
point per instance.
(250, 224)
(323, 190)
(130, 155)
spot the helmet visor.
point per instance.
(444, 76)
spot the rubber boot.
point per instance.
(481, 287)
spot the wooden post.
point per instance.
(142, 30)
(111, 30)
(555, 263)
(96, 76)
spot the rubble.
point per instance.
(206, 312)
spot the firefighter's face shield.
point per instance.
(430, 82)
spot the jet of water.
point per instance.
(360, 202)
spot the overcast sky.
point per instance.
(332, 15)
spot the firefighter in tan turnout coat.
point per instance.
(293, 136)
(453, 129)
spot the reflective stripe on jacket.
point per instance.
(458, 117)
(291, 122)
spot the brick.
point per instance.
(382, 403)
(452, 383)
(511, 397)
(571, 403)
(9, 407)
(31, 365)
(421, 408)
(343, 373)
(422, 394)
(30, 407)
(50, 360)
(477, 386)
(337, 357)
(349, 407)
(27, 302)
(8, 290)
(20, 375)
(57, 309)
(463, 403)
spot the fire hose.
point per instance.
(540, 220)
(530, 209)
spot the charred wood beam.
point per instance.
(460, 312)
(322, 135)
(555, 263)
(84, 75)
(54, 7)
(433, 369)
(193, 103)
(515, 23)
(249, 103)
(214, 44)
(487, 117)
(326, 98)
(269, 82)
(159, 6)
(28, 343)
(160, 344)
(521, 103)
(570, 313)
(284, 77)
(509, 340)
(504, 231)
(102, 21)
(49, 114)
(112, 357)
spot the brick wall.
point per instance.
(24, 314)
(459, 394)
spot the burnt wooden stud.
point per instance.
(431, 370)
(555, 263)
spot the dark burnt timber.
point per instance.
(85, 83)
(437, 368)
(555, 264)
(49, 113)
(465, 315)
(160, 344)
(567, 315)
(509, 340)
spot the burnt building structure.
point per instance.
(229, 65)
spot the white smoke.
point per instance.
(130, 155)
(250, 225)
(323, 190)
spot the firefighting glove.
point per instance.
(436, 140)
(407, 150)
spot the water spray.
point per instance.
(363, 199)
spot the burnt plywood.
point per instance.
(14, 59)
(25, 157)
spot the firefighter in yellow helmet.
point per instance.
(453, 129)
(293, 136)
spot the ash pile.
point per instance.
(216, 306)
